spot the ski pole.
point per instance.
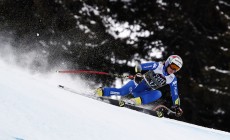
(95, 72)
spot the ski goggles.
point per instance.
(174, 67)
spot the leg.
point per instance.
(141, 91)
(126, 89)
(141, 87)
(150, 96)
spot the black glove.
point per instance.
(138, 68)
(177, 110)
(138, 78)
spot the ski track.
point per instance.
(33, 108)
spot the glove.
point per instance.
(177, 110)
(137, 68)
(138, 78)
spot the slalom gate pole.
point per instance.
(95, 72)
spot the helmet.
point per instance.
(175, 62)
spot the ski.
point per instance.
(158, 111)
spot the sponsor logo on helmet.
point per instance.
(174, 56)
(178, 61)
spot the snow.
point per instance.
(33, 108)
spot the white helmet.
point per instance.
(176, 60)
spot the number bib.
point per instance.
(155, 80)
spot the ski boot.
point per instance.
(99, 92)
(132, 101)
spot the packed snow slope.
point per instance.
(33, 108)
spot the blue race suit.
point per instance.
(155, 78)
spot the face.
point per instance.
(170, 70)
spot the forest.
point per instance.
(110, 35)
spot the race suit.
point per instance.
(155, 77)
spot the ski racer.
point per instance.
(144, 88)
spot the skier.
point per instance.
(144, 88)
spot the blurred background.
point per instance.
(111, 35)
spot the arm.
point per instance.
(175, 98)
(146, 66)
(174, 92)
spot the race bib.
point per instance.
(155, 80)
